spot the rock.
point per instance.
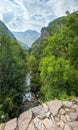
(11, 125)
(74, 125)
(57, 119)
(62, 111)
(61, 124)
(54, 106)
(24, 120)
(44, 32)
(2, 127)
(73, 116)
(63, 118)
(38, 124)
(47, 122)
(68, 118)
(48, 114)
(52, 118)
(74, 106)
(68, 110)
(45, 107)
(50, 125)
(76, 109)
(67, 127)
(39, 112)
(67, 104)
(31, 126)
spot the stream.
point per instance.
(28, 95)
(29, 99)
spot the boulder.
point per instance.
(24, 120)
(63, 118)
(67, 127)
(50, 125)
(62, 111)
(39, 112)
(67, 118)
(45, 107)
(54, 106)
(2, 127)
(38, 124)
(74, 125)
(67, 104)
(61, 124)
(73, 116)
(31, 126)
(11, 125)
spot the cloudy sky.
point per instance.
(21, 15)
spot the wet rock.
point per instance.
(54, 106)
(11, 125)
(24, 120)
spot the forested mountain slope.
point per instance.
(13, 71)
(55, 56)
(27, 37)
(5, 30)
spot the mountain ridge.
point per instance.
(27, 37)
(4, 30)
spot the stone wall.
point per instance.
(54, 115)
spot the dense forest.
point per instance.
(55, 57)
(12, 76)
(52, 62)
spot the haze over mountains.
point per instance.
(27, 37)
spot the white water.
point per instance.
(27, 95)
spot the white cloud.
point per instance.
(20, 15)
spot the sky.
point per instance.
(21, 15)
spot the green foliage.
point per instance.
(57, 59)
(12, 75)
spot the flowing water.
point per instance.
(27, 95)
(29, 100)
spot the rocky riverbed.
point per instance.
(53, 115)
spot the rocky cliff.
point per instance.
(54, 115)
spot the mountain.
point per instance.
(5, 30)
(56, 59)
(53, 27)
(23, 45)
(27, 37)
